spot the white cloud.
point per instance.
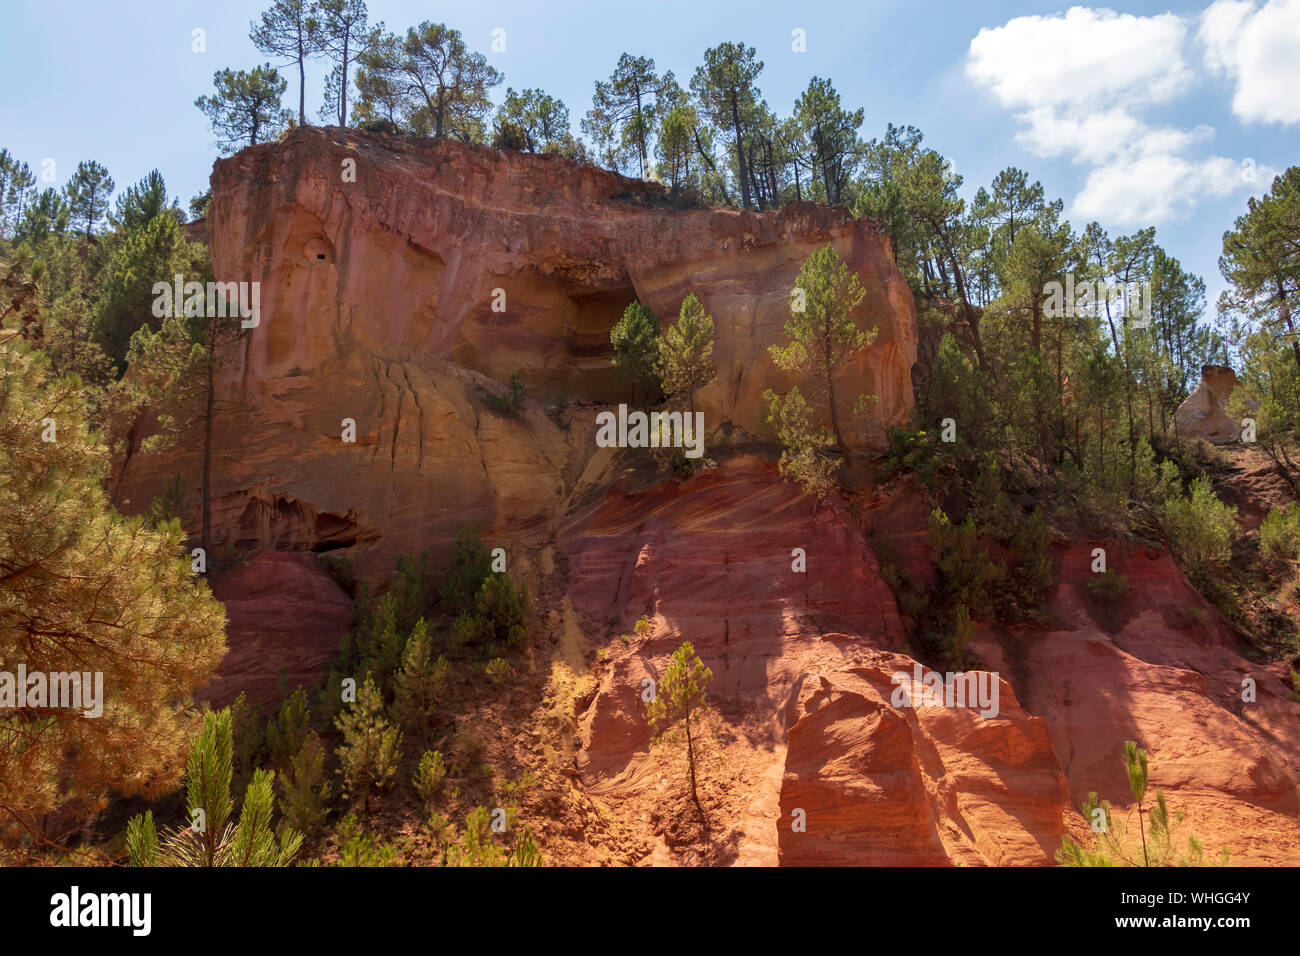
(1082, 80)
(1258, 48)
(1161, 186)
(1080, 58)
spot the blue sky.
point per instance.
(1141, 112)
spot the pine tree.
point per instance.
(635, 338)
(420, 684)
(823, 334)
(245, 108)
(680, 696)
(288, 29)
(305, 794)
(1261, 261)
(686, 353)
(211, 839)
(369, 753)
(287, 732)
(342, 31)
(1113, 847)
(724, 85)
(87, 194)
(179, 369)
(625, 107)
(85, 589)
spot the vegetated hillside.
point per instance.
(377, 306)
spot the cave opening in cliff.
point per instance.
(590, 352)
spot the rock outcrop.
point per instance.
(1204, 413)
(398, 281)
(380, 262)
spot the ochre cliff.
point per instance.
(377, 294)
(377, 297)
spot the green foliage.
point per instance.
(210, 840)
(1032, 573)
(87, 194)
(428, 82)
(305, 794)
(1108, 587)
(377, 645)
(478, 848)
(470, 565)
(369, 753)
(805, 444)
(154, 251)
(1114, 845)
(170, 502)
(142, 848)
(430, 775)
(624, 111)
(249, 736)
(84, 588)
(686, 354)
(244, 109)
(511, 401)
(535, 122)
(967, 574)
(823, 333)
(358, 848)
(1200, 528)
(503, 612)
(287, 732)
(498, 670)
(635, 339)
(1279, 536)
(679, 697)
(420, 684)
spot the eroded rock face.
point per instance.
(1204, 413)
(805, 697)
(284, 616)
(802, 678)
(501, 261)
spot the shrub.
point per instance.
(478, 848)
(470, 563)
(498, 670)
(369, 752)
(1032, 575)
(360, 849)
(503, 607)
(430, 775)
(209, 839)
(967, 574)
(1200, 529)
(1108, 586)
(287, 732)
(304, 792)
(1114, 843)
(420, 684)
(511, 401)
(1279, 537)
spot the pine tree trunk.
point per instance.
(206, 536)
(690, 755)
(740, 153)
(302, 84)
